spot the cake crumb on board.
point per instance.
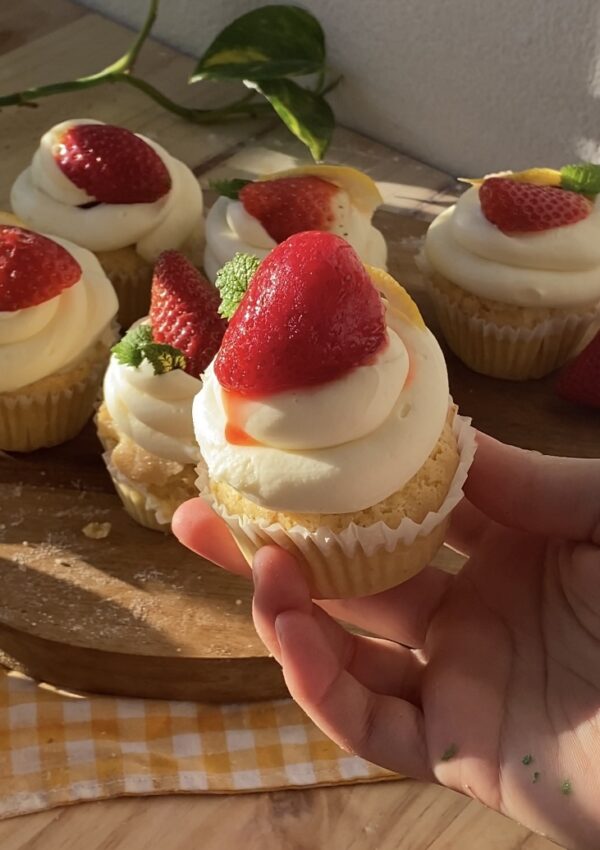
(97, 530)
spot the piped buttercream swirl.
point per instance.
(552, 268)
(49, 202)
(50, 337)
(339, 447)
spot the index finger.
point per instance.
(197, 526)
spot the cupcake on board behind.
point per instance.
(325, 421)
(116, 193)
(254, 216)
(514, 270)
(57, 310)
(145, 421)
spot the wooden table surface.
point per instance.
(42, 42)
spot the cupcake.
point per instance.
(117, 194)
(145, 420)
(57, 310)
(514, 272)
(325, 421)
(254, 216)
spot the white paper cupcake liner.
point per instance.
(358, 561)
(506, 351)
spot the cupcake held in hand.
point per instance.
(254, 216)
(514, 270)
(325, 421)
(117, 194)
(145, 421)
(57, 310)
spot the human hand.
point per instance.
(470, 676)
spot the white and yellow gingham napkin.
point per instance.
(57, 749)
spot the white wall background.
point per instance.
(468, 85)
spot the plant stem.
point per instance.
(127, 62)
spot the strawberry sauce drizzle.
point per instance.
(234, 405)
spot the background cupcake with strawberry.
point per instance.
(145, 421)
(514, 269)
(254, 216)
(117, 194)
(57, 310)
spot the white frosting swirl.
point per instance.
(552, 268)
(155, 411)
(51, 337)
(230, 229)
(344, 466)
(46, 200)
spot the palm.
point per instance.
(469, 674)
(512, 674)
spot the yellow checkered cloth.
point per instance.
(57, 749)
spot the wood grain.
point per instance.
(387, 816)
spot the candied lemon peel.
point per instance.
(398, 298)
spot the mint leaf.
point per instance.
(271, 41)
(163, 358)
(584, 178)
(232, 282)
(130, 350)
(229, 188)
(138, 344)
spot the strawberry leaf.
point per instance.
(138, 345)
(584, 178)
(271, 41)
(233, 280)
(307, 115)
(229, 188)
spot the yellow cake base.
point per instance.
(504, 341)
(338, 564)
(53, 409)
(151, 488)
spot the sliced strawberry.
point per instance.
(579, 380)
(309, 315)
(516, 207)
(290, 205)
(33, 269)
(184, 311)
(112, 164)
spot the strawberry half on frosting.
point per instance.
(254, 216)
(56, 303)
(325, 370)
(155, 371)
(105, 188)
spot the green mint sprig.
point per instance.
(138, 345)
(583, 178)
(260, 50)
(233, 280)
(229, 188)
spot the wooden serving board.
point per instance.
(134, 613)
